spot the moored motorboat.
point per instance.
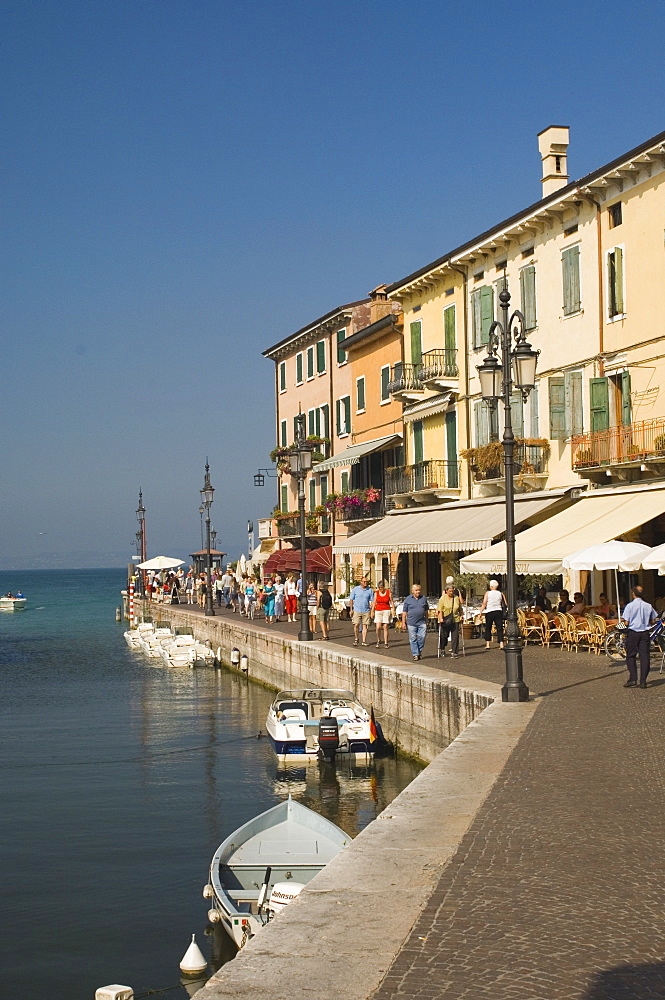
(319, 721)
(265, 864)
(13, 602)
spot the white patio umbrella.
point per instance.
(624, 556)
(161, 562)
(655, 560)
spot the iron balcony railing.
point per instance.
(361, 512)
(438, 364)
(430, 475)
(315, 524)
(636, 442)
(405, 378)
(528, 459)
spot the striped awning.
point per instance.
(352, 455)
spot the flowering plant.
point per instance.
(352, 499)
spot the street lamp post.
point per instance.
(140, 536)
(517, 368)
(300, 460)
(207, 495)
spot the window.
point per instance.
(502, 265)
(565, 401)
(311, 422)
(486, 419)
(599, 404)
(449, 292)
(285, 499)
(451, 450)
(310, 362)
(343, 415)
(298, 369)
(385, 379)
(320, 357)
(528, 295)
(482, 314)
(570, 262)
(449, 335)
(615, 282)
(345, 482)
(615, 215)
(417, 342)
(418, 444)
(341, 355)
(282, 376)
(360, 394)
(571, 229)
(296, 421)
(283, 439)
(527, 252)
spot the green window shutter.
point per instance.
(285, 499)
(481, 424)
(317, 421)
(600, 404)
(338, 417)
(557, 393)
(282, 376)
(345, 482)
(618, 271)
(298, 367)
(418, 450)
(323, 487)
(325, 414)
(451, 450)
(476, 324)
(385, 379)
(626, 411)
(571, 280)
(312, 493)
(311, 423)
(321, 356)
(284, 441)
(310, 362)
(341, 355)
(493, 421)
(535, 422)
(573, 399)
(347, 414)
(295, 428)
(449, 338)
(517, 414)
(486, 312)
(416, 343)
(615, 281)
(528, 295)
(360, 393)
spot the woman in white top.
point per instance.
(291, 597)
(280, 594)
(494, 606)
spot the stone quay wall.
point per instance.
(421, 709)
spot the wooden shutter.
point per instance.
(285, 499)
(295, 428)
(615, 281)
(451, 450)
(418, 450)
(480, 420)
(571, 280)
(534, 419)
(321, 356)
(600, 404)
(338, 417)
(486, 312)
(416, 343)
(284, 442)
(347, 414)
(298, 367)
(325, 413)
(385, 379)
(517, 414)
(626, 411)
(341, 355)
(573, 400)
(528, 295)
(557, 393)
(345, 482)
(476, 323)
(312, 493)
(449, 341)
(282, 376)
(360, 393)
(323, 481)
(310, 362)
(311, 423)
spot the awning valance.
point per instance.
(457, 526)
(593, 519)
(352, 455)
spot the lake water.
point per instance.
(119, 779)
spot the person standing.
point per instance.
(449, 614)
(382, 611)
(291, 599)
(324, 603)
(279, 598)
(269, 600)
(494, 605)
(414, 619)
(638, 616)
(219, 587)
(361, 598)
(312, 604)
(226, 585)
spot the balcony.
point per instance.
(363, 512)
(405, 382)
(530, 464)
(623, 451)
(439, 369)
(265, 527)
(437, 478)
(315, 524)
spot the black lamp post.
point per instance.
(202, 511)
(300, 460)
(497, 379)
(140, 536)
(207, 495)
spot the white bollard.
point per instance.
(114, 993)
(193, 961)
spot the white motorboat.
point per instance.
(179, 651)
(265, 864)
(319, 721)
(133, 635)
(13, 603)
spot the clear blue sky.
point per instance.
(185, 183)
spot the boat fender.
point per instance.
(235, 656)
(208, 891)
(328, 735)
(218, 656)
(214, 916)
(244, 663)
(282, 894)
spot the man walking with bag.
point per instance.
(638, 616)
(449, 613)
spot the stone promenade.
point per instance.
(557, 889)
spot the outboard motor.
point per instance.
(328, 736)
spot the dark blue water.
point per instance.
(119, 779)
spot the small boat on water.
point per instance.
(265, 864)
(13, 602)
(319, 721)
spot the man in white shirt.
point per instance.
(638, 616)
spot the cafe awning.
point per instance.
(599, 517)
(352, 455)
(458, 526)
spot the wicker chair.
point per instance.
(581, 631)
(530, 630)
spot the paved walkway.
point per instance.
(557, 891)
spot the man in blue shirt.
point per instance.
(361, 602)
(638, 616)
(414, 616)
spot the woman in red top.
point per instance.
(382, 610)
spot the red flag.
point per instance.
(372, 726)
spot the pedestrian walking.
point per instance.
(494, 605)
(311, 606)
(219, 588)
(382, 611)
(279, 598)
(449, 615)
(414, 618)
(361, 598)
(324, 603)
(269, 601)
(638, 615)
(291, 597)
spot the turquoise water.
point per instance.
(120, 777)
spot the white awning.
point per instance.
(596, 518)
(352, 455)
(458, 526)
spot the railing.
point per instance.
(440, 363)
(620, 445)
(361, 512)
(528, 459)
(315, 524)
(430, 475)
(405, 378)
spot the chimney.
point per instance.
(380, 304)
(553, 146)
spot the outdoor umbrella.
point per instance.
(160, 562)
(655, 560)
(624, 556)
